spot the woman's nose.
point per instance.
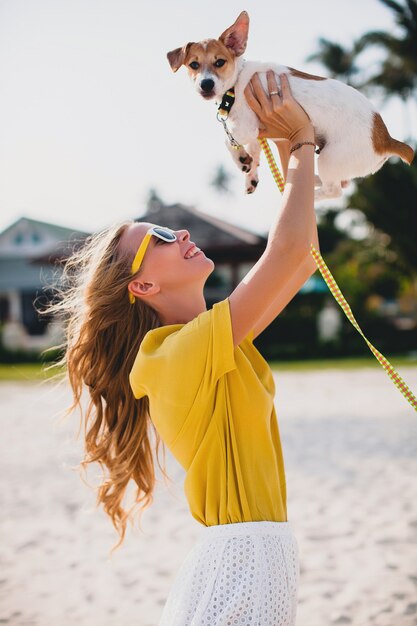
(183, 234)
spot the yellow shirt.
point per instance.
(213, 406)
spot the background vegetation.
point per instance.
(376, 271)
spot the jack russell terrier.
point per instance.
(352, 138)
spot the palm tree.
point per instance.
(388, 197)
(397, 74)
(340, 62)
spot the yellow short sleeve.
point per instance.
(175, 360)
(214, 330)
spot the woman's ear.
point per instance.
(143, 288)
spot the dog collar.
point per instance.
(227, 102)
(223, 111)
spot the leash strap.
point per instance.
(272, 165)
(235, 144)
(337, 294)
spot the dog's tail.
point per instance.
(384, 144)
(403, 150)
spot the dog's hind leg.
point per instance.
(251, 182)
(327, 191)
(331, 165)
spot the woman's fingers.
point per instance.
(281, 116)
(287, 93)
(272, 84)
(285, 87)
(251, 100)
(258, 99)
(259, 91)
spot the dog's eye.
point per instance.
(194, 65)
(220, 62)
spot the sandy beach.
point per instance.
(350, 450)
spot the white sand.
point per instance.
(350, 447)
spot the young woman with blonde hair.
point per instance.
(141, 340)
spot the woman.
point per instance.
(151, 354)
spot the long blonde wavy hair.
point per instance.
(103, 332)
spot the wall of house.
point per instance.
(24, 276)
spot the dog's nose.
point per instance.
(207, 84)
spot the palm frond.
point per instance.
(412, 7)
(406, 15)
(396, 74)
(392, 80)
(394, 6)
(339, 61)
(376, 37)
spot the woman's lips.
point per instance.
(194, 250)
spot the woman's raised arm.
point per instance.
(289, 237)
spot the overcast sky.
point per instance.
(92, 117)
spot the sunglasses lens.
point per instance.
(165, 234)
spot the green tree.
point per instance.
(397, 73)
(339, 62)
(365, 268)
(388, 198)
(329, 234)
(389, 201)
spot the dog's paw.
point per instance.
(251, 183)
(246, 160)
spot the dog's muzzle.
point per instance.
(207, 85)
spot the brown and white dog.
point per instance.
(350, 133)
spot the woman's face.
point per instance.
(168, 265)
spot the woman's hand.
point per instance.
(281, 116)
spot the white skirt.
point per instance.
(243, 574)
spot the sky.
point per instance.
(92, 117)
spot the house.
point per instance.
(30, 249)
(23, 278)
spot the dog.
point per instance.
(350, 134)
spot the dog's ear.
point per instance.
(176, 57)
(236, 36)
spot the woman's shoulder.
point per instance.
(220, 311)
(189, 351)
(210, 328)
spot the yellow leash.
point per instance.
(337, 294)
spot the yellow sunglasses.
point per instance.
(166, 234)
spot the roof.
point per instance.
(28, 238)
(62, 231)
(208, 231)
